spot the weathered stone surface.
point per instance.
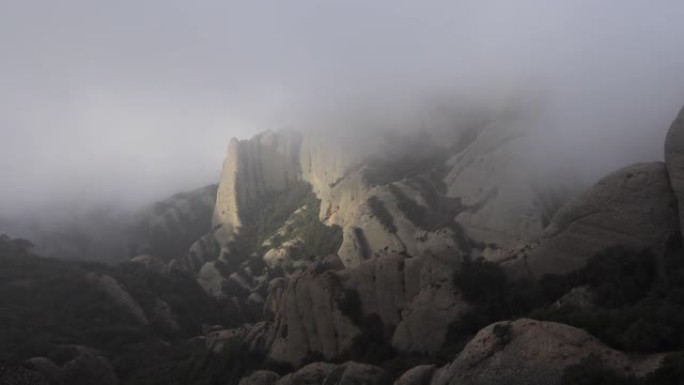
(426, 319)
(504, 206)
(16, 375)
(151, 263)
(420, 375)
(218, 340)
(674, 159)
(268, 162)
(633, 208)
(314, 311)
(119, 295)
(167, 228)
(88, 370)
(531, 352)
(310, 374)
(309, 319)
(211, 279)
(357, 373)
(48, 369)
(260, 377)
(349, 373)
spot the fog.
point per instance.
(124, 102)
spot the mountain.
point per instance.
(414, 258)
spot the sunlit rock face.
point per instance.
(267, 162)
(463, 193)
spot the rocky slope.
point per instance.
(633, 208)
(410, 195)
(414, 260)
(526, 352)
(405, 237)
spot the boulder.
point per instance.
(88, 370)
(325, 311)
(529, 352)
(310, 374)
(501, 186)
(48, 369)
(633, 208)
(420, 375)
(11, 374)
(119, 295)
(349, 373)
(260, 377)
(674, 159)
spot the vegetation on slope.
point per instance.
(294, 210)
(171, 226)
(47, 304)
(378, 209)
(638, 305)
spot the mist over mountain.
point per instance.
(341, 192)
(126, 103)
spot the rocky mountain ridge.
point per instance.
(454, 264)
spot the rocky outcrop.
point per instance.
(16, 375)
(420, 375)
(119, 295)
(268, 162)
(674, 159)
(489, 200)
(349, 373)
(326, 311)
(168, 228)
(86, 368)
(505, 202)
(260, 377)
(311, 320)
(633, 208)
(526, 352)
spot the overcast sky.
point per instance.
(131, 100)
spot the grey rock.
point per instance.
(420, 375)
(349, 373)
(633, 208)
(16, 375)
(312, 374)
(260, 377)
(674, 159)
(528, 352)
(48, 369)
(88, 370)
(112, 288)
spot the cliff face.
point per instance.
(409, 195)
(266, 163)
(410, 211)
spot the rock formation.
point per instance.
(406, 224)
(168, 228)
(674, 159)
(321, 373)
(633, 208)
(409, 195)
(526, 352)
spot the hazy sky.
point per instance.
(134, 99)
